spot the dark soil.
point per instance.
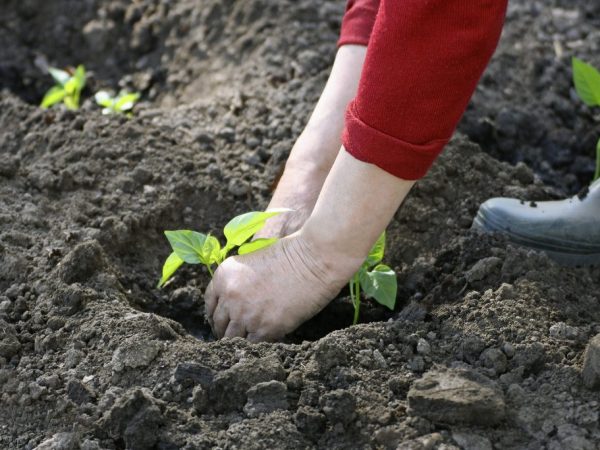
(93, 356)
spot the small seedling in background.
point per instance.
(377, 280)
(122, 103)
(197, 248)
(67, 89)
(587, 85)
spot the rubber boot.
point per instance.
(567, 230)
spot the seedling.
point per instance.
(377, 280)
(587, 85)
(122, 103)
(69, 85)
(196, 248)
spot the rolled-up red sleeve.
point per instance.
(358, 22)
(423, 62)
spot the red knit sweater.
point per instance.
(424, 59)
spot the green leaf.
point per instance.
(188, 245)
(172, 263)
(380, 284)
(211, 251)
(71, 86)
(253, 246)
(80, 77)
(126, 101)
(60, 76)
(376, 253)
(243, 227)
(103, 98)
(597, 174)
(71, 102)
(587, 82)
(53, 96)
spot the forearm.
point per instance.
(318, 144)
(356, 204)
(315, 150)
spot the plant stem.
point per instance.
(597, 174)
(357, 301)
(210, 270)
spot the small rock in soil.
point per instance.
(134, 418)
(310, 421)
(456, 396)
(482, 268)
(189, 373)
(469, 441)
(508, 349)
(60, 441)
(563, 331)
(78, 392)
(238, 187)
(229, 388)
(532, 357)
(471, 348)
(9, 344)
(414, 312)
(423, 347)
(69, 299)
(82, 262)
(339, 406)
(416, 364)
(493, 358)
(200, 399)
(135, 353)
(266, 397)
(427, 442)
(591, 364)
(329, 354)
(9, 166)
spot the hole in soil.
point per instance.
(337, 315)
(140, 260)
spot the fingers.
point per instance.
(260, 336)
(220, 320)
(235, 329)
(210, 300)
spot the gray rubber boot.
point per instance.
(568, 230)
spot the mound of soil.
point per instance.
(486, 346)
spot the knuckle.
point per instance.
(232, 290)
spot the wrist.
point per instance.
(356, 203)
(326, 256)
(335, 252)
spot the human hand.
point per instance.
(265, 295)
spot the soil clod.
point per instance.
(457, 396)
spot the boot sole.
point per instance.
(564, 256)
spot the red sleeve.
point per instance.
(358, 22)
(423, 63)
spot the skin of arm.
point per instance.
(316, 148)
(357, 202)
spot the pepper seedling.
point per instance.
(377, 280)
(67, 89)
(122, 103)
(587, 84)
(197, 248)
